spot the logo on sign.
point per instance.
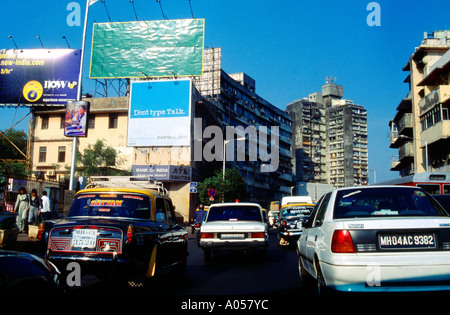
(32, 91)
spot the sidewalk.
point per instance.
(26, 244)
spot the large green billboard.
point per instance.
(164, 48)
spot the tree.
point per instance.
(234, 187)
(13, 163)
(100, 159)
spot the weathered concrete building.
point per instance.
(420, 130)
(330, 138)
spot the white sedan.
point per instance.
(376, 239)
(233, 226)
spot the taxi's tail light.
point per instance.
(342, 242)
(257, 235)
(284, 223)
(207, 235)
(129, 234)
(41, 231)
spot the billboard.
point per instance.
(135, 49)
(160, 113)
(39, 76)
(163, 172)
(76, 119)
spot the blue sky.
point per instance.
(289, 46)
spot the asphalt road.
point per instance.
(226, 274)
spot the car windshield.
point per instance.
(393, 201)
(234, 213)
(296, 211)
(444, 200)
(111, 205)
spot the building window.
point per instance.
(113, 119)
(62, 122)
(91, 122)
(44, 122)
(42, 154)
(432, 117)
(61, 154)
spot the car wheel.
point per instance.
(322, 289)
(302, 271)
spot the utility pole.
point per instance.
(80, 76)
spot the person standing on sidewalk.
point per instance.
(21, 208)
(45, 210)
(35, 206)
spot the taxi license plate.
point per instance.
(232, 236)
(407, 241)
(84, 238)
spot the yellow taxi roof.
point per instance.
(298, 204)
(148, 192)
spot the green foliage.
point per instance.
(13, 162)
(100, 159)
(8, 151)
(234, 187)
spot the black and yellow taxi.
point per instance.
(290, 221)
(119, 225)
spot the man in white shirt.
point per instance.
(45, 210)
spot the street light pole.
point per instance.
(223, 165)
(224, 151)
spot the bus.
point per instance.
(433, 183)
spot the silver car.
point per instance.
(233, 226)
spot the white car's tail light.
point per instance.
(257, 235)
(207, 235)
(342, 242)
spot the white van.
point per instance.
(295, 199)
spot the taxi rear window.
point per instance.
(111, 205)
(296, 211)
(378, 202)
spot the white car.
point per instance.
(233, 226)
(376, 239)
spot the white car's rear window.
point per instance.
(234, 213)
(384, 201)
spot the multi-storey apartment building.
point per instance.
(420, 129)
(330, 138)
(309, 138)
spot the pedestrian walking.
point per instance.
(35, 206)
(45, 209)
(199, 214)
(21, 208)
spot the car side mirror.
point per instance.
(306, 223)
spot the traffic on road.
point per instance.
(130, 241)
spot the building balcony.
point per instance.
(406, 150)
(441, 94)
(438, 131)
(395, 163)
(405, 122)
(394, 138)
